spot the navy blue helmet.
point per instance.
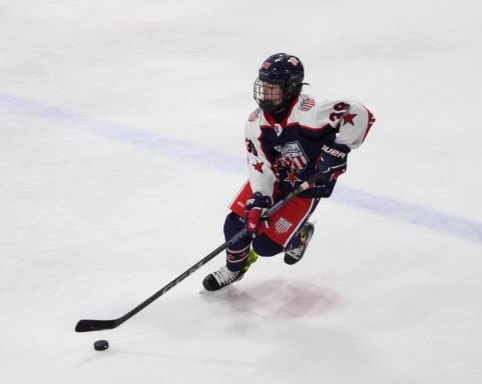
(283, 70)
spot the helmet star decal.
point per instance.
(348, 118)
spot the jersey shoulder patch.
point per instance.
(254, 115)
(307, 104)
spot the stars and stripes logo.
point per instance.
(307, 104)
(266, 65)
(298, 163)
(291, 157)
(282, 225)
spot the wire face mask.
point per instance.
(267, 95)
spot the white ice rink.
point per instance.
(121, 145)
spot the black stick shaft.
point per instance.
(98, 325)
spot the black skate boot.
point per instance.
(224, 276)
(296, 251)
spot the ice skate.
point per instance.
(224, 276)
(298, 249)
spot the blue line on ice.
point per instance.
(382, 205)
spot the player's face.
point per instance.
(272, 92)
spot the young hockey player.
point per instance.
(289, 137)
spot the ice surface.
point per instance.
(121, 144)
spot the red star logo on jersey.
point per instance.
(348, 118)
(292, 179)
(258, 166)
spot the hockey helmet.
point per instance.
(283, 70)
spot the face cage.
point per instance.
(259, 95)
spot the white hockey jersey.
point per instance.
(282, 155)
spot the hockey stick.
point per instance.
(99, 325)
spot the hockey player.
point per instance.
(289, 137)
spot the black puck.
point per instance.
(101, 345)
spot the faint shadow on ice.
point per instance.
(277, 298)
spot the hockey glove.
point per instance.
(256, 207)
(332, 161)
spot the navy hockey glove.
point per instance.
(256, 207)
(332, 161)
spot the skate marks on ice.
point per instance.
(277, 298)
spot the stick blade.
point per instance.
(94, 325)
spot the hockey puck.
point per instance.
(101, 345)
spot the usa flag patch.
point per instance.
(307, 104)
(253, 116)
